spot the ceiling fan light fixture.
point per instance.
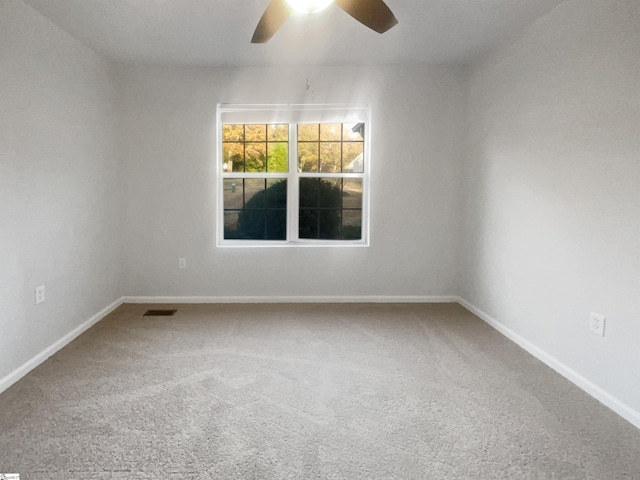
(374, 14)
(309, 6)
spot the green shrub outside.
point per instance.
(264, 217)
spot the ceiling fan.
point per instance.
(372, 13)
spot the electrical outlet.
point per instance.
(182, 263)
(40, 297)
(597, 323)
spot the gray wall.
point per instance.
(169, 174)
(59, 211)
(552, 227)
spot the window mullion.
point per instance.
(294, 187)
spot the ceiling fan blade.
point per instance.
(372, 13)
(272, 19)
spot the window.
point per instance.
(294, 175)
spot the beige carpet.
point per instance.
(305, 392)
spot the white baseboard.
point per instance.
(298, 299)
(622, 409)
(25, 368)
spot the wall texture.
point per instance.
(552, 229)
(59, 212)
(169, 176)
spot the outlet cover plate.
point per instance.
(40, 294)
(597, 323)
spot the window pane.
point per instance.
(233, 189)
(277, 157)
(320, 192)
(348, 132)
(245, 148)
(352, 157)
(308, 132)
(278, 133)
(255, 157)
(276, 193)
(308, 196)
(233, 157)
(308, 223)
(255, 209)
(307, 157)
(330, 132)
(255, 133)
(329, 224)
(352, 224)
(330, 156)
(352, 193)
(233, 133)
(320, 214)
(251, 224)
(231, 231)
(329, 193)
(276, 224)
(254, 195)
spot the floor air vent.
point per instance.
(159, 313)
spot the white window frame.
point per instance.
(292, 115)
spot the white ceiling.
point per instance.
(218, 32)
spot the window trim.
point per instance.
(293, 115)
